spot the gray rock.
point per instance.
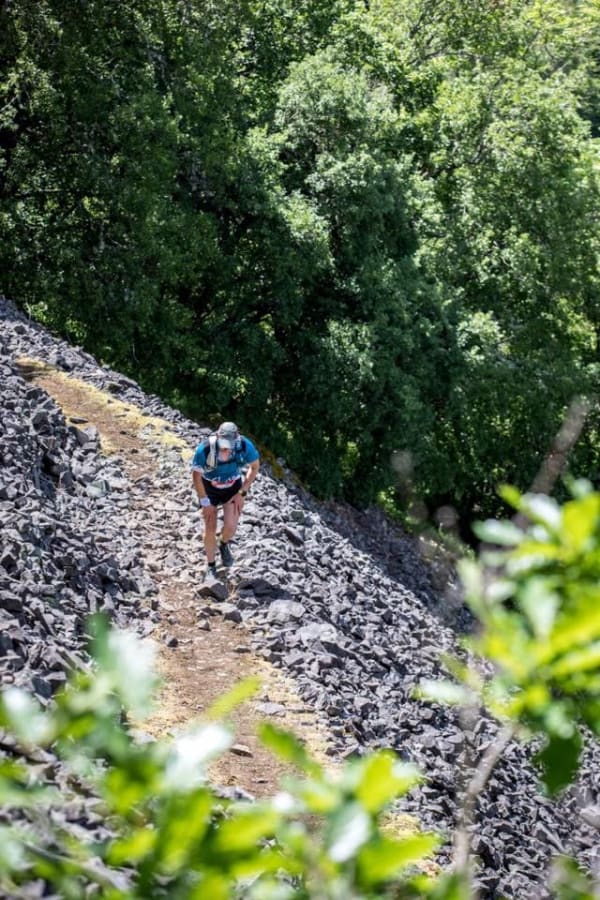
(293, 535)
(282, 611)
(230, 612)
(213, 588)
(315, 631)
(271, 709)
(591, 815)
(97, 489)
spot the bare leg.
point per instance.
(231, 517)
(209, 514)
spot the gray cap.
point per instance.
(228, 434)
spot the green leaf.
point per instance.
(581, 520)
(384, 777)
(131, 662)
(132, 848)
(245, 829)
(531, 556)
(575, 630)
(559, 760)
(12, 854)
(17, 788)
(451, 887)
(318, 796)
(184, 820)
(126, 785)
(542, 509)
(570, 883)
(384, 858)
(24, 717)
(495, 532)
(191, 752)
(349, 829)
(558, 719)
(261, 864)
(540, 604)
(447, 692)
(127, 664)
(510, 495)
(579, 660)
(579, 487)
(211, 886)
(471, 577)
(500, 589)
(243, 691)
(289, 748)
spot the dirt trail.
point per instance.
(199, 666)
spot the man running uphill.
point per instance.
(221, 479)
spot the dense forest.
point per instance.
(369, 232)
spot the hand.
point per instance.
(209, 513)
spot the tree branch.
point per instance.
(477, 782)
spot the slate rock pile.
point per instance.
(320, 588)
(64, 545)
(65, 553)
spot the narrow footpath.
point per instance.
(202, 655)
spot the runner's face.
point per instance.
(224, 453)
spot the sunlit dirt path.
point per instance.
(200, 656)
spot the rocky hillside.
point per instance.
(337, 600)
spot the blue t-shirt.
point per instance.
(225, 473)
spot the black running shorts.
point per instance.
(219, 496)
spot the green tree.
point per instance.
(415, 239)
(360, 229)
(482, 269)
(535, 591)
(340, 288)
(100, 233)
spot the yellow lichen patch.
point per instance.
(79, 398)
(399, 825)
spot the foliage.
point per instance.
(538, 602)
(169, 833)
(359, 229)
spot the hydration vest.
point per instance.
(212, 456)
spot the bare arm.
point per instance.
(197, 482)
(251, 474)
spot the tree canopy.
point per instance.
(367, 231)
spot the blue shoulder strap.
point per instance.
(240, 449)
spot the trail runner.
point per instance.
(223, 469)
